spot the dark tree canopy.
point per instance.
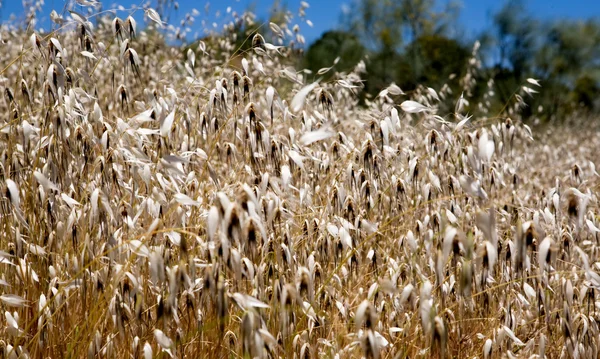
(436, 58)
(411, 43)
(331, 45)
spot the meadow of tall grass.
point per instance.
(161, 201)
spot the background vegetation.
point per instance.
(408, 42)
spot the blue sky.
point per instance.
(325, 14)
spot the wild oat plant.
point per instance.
(160, 201)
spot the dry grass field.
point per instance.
(213, 203)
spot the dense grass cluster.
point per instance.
(216, 203)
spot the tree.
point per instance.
(388, 24)
(420, 19)
(377, 23)
(382, 69)
(393, 30)
(585, 92)
(323, 52)
(516, 38)
(437, 57)
(570, 49)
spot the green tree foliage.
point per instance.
(410, 43)
(585, 92)
(509, 49)
(376, 23)
(386, 25)
(382, 69)
(419, 17)
(331, 45)
(436, 58)
(570, 49)
(562, 54)
(404, 41)
(515, 37)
